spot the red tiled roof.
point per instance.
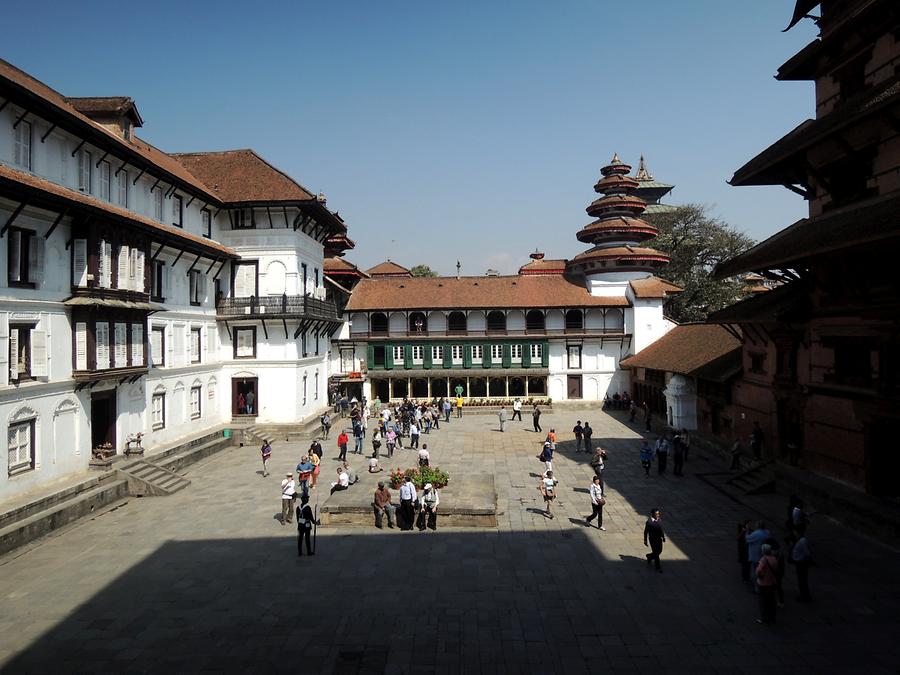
(339, 266)
(622, 252)
(387, 268)
(500, 292)
(623, 224)
(686, 349)
(51, 192)
(653, 287)
(543, 266)
(242, 176)
(56, 105)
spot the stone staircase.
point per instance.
(758, 479)
(303, 431)
(42, 515)
(146, 479)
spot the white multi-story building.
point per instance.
(557, 329)
(142, 292)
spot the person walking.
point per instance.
(598, 463)
(801, 556)
(742, 551)
(588, 434)
(305, 520)
(358, 437)
(424, 455)
(305, 469)
(376, 442)
(288, 493)
(344, 404)
(632, 413)
(407, 510)
(428, 513)
(342, 441)
(646, 457)
(548, 491)
(517, 409)
(578, 430)
(413, 435)
(755, 541)
(502, 416)
(447, 407)
(546, 455)
(325, 421)
(662, 454)
(316, 461)
(597, 503)
(536, 419)
(251, 400)
(390, 439)
(767, 582)
(654, 537)
(383, 506)
(266, 452)
(677, 455)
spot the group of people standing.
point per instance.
(416, 509)
(763, 561)
(677, 445)
(503, 415)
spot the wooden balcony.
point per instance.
(278, 307)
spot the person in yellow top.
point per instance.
(459, 403)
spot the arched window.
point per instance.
(456, 322)
(534, 320)
(496, 321)
(379, 322)
(574, 320)
(418, 322)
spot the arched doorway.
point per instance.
(456, 322)
(379, 323)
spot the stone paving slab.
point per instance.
(209, 579)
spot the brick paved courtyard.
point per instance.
(208, 579)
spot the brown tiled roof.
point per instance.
(653, 287)
(339, 266)
(387, 268)
(864, 223)
(686, 349)
(500, 292)
(543, 266)
(53, 105)
(623, 252)
(42, 191)
(106, 105)
(242, 176)
(616, 224)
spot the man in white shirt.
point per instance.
(548, 490)
(343, 481)
(407, 498)
(502, 416)
(413, 435)
(597, 502)
(424, 455)
(517, 410)
(288, 492)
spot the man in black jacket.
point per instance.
(305, 520)
(654, 537)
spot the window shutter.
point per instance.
(101, 333)
(79, 262)
(36, 260)
(178, 346)
(13, 354)
(164, 280)
(203, 288)
(140, 283)
(407, 356)
(485, 356)
(426, 356)
(137, 344)
(121, 345)
(156, 347)
(526, 355)
(545, 355)
(507, 356)
(122, 280)
(81, 346)
(39, 353)
(105, 264)
(467, 356)
(4, 348)
(15, 255)
(170, 347)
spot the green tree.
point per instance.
(696, 243)
(422, 271)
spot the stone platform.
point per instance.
(466, 502)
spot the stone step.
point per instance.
(63, 512)
(45, 502)
(149, 479)
(757, 479)
(179, 461)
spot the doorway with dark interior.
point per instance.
(244, 397)
(103, 420)
(574, 386)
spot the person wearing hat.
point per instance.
(288, 493)
(305, 520)
(429, 501)
(383, 506)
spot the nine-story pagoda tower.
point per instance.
(617, 256)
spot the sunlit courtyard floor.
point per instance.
(209, 579)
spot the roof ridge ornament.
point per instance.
(642, 172)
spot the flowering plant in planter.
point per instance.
(420, 476)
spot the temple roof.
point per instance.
(488, 292)
(693, 349)
(653, 287)
(862, 223)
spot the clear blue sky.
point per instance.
(456, 130)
